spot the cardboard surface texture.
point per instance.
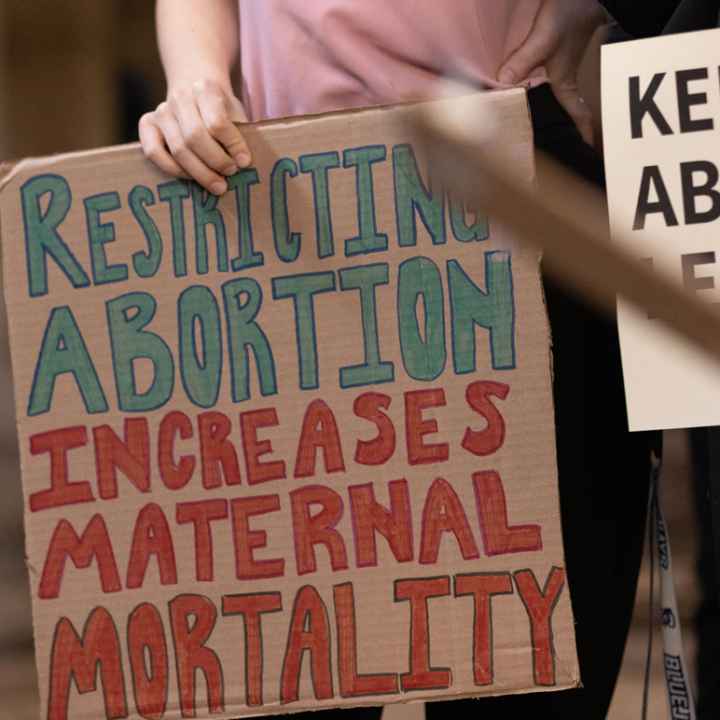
(661, 106)
(293, 449)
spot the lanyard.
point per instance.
(681, 704)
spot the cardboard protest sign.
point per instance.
(290, 449)
(661, 105)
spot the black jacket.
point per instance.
(643, 18)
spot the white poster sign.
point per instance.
(661, 119)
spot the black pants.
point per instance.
(603, 475)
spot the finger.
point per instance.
(237, 110)
(185, 157)
(215, 112)
(197, 136)
(570, 99)
(153, 145)
(534, 51)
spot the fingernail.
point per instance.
(218, 188)
(242, 159)
(507, 76)
(230, 170)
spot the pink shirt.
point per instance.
(309, 56)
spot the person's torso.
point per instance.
(308, 56)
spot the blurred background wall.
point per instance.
(74, 73)
(78, 74)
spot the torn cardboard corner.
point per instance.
(5, 170)
(300, 439)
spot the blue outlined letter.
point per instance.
(302, 289)
(423, 353)
(492, 309)
(41, 232)
(411, 195)
(128, 316)
(64, 351)
(369, 239)
(373, 371)
(244, 334)
(319, 164)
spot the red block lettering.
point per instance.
(75, 659)
(201, 514)
(491, 438)
(131, 456)
(417, 592)
(351, 683)
(416, 427)
(369, 517)
(151, 537)
(444, 512)
(252, 607)
(254, 448)
(58, 444)
(217, 452)
(247, 540)
(193, 619)
(174, 475)
(93, 544)
(319, 529)
(382, 447)
(309, 630)
(539, 605)
(483, 587)
(146, 640)
(498, 537)
(319, 431)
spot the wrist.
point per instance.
(183, 82)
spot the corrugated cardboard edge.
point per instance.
(536, 186)
(7, 171)
(576, 679)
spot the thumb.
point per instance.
(534, 51)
